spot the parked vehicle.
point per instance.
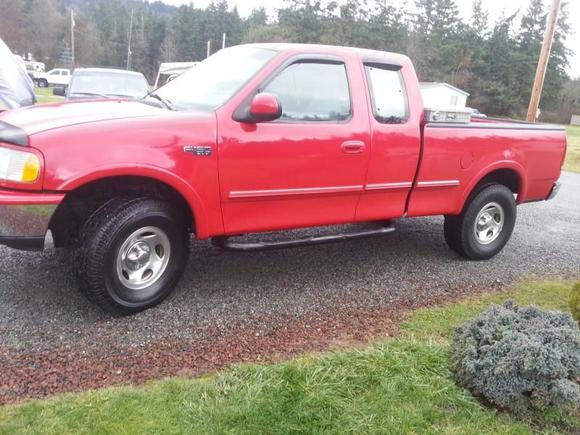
(170, 70)
(54, 77)
(16, 87)
(104, 83)
(292, 136)
(32, 65)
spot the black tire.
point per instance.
(108, 231)
(493, 201)
(42, 83)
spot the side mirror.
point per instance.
(265, 107)
(61, 92)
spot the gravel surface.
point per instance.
(252, 306)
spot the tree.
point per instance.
(557, 74)
(257, 18)
(388, 28)
(474, 37)
(568, 101)
(437, 43)
(44, 27)
(154, 32)
(12, 26)
(530, 38)
(88, 51)
(304, 19)
(498, 82)
(479, 19)
(495, 62)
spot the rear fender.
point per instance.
(505, 164)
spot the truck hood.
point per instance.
(37, 119)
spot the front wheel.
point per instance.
(485, 226)
(131, 254)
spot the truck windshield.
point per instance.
(215, 80)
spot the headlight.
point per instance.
(19, 166)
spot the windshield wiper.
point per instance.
(165, 102)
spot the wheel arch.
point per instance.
(508, 173)
(87, 193)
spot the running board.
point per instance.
(229, 245)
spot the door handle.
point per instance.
(353, 147)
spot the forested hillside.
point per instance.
(494, 61)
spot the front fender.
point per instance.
(143, 146)
(159, 174)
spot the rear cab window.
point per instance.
(388, 94)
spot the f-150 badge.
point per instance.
(198, 150)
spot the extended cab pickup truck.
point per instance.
(259, 138)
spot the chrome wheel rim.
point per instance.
(143, 258)
(489, 223)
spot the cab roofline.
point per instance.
(385, 56)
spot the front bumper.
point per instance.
(25, 217)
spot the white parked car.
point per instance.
(54, 77)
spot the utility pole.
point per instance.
(130, 37)
(543, 61)
(72, 40)
(224, 40)
(208, 48)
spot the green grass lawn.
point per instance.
(402, 385)
(573, 159)
(44, 95)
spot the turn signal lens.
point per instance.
(31, 169)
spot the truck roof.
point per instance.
(109, 70)
(336, 50)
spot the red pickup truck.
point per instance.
(259, 138)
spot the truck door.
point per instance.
(306, 168)
(395, 143)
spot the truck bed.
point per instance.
(455, 158)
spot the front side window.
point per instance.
(388, 94)
(310, 91)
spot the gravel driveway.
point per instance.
(244, 306)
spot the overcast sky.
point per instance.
(495, 8)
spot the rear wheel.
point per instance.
(485, 226)
(42, 83)
(131, 254)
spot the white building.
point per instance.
(442, 95)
